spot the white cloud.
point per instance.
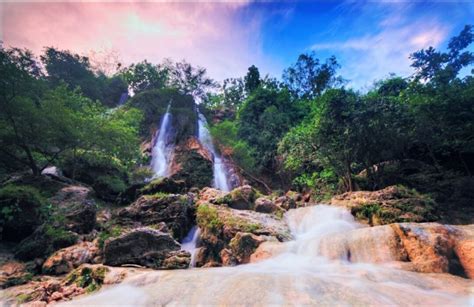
(371, 57)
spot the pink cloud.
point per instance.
(205, 34)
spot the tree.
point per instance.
(442, 67)
(252, 79)
(308, 78)
(190, 80)
(144, 76)
(72, 69)
(263, 119)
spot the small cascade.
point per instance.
(123, 98)
(162, 150)
(220, 174)
(190, 244)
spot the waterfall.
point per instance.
(299, 275)
(218, 167)
(162, 150)
(123, 99)
(190, 243)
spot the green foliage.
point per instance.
(263, 119)
(145, 76)
(252, 79)
(140, 174)
(225, 134)
(309, 78)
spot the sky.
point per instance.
(370, 39)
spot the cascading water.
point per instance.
(162, 150)
(299, 275)
(190, 243)
(220, 175)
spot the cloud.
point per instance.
(371, 57)
(205, 34)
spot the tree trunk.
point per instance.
(31, 161)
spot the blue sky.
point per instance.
(369, 38)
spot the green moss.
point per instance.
(113, 184)
(16, 200)
(88, 278)
(23, 298)
(196, 170)
(207, 217)
(113, 232)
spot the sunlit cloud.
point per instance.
(205, 34)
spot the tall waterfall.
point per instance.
(162, 150)
(218, 168)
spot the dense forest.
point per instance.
(305, 131)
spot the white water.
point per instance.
(300, 275)
(162, 150)
(219, 171)
(190, 243)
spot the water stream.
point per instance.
(162, 149)
(221, 181)
(190, 243)
(299, 275)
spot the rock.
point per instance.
(69, 258)
(146, 247)
(220, 225)
(267, 250)
(76, 205)
(243, 245)
(264, 205)
(13, 273)
(285, 203)
(23, 207)
(240, 198)
(391, 205)
(164, 185)
(210, 195)
(177, 211)
(192, 163)
(425, 247)
(44, 241)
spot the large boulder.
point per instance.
(69, 258)
(177, 211)
(76, 208)
(146, 247)
(44, 241)
(164, 185)
(425, 247)
(390, 205)
(246, 230)
(22, 211)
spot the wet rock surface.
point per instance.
(69, 258)
(176, 211)
(146, 247)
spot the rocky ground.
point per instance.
(85, 244)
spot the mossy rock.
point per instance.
(164, 185)
(44, 241)
(241, 198)
(196, 170)
(90, 278)
(22, 210)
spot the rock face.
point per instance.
(69, 258)
(393, 204)
(146, 247)
(177, 211)
(426, 247)
(229, 236)
(76, 205)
